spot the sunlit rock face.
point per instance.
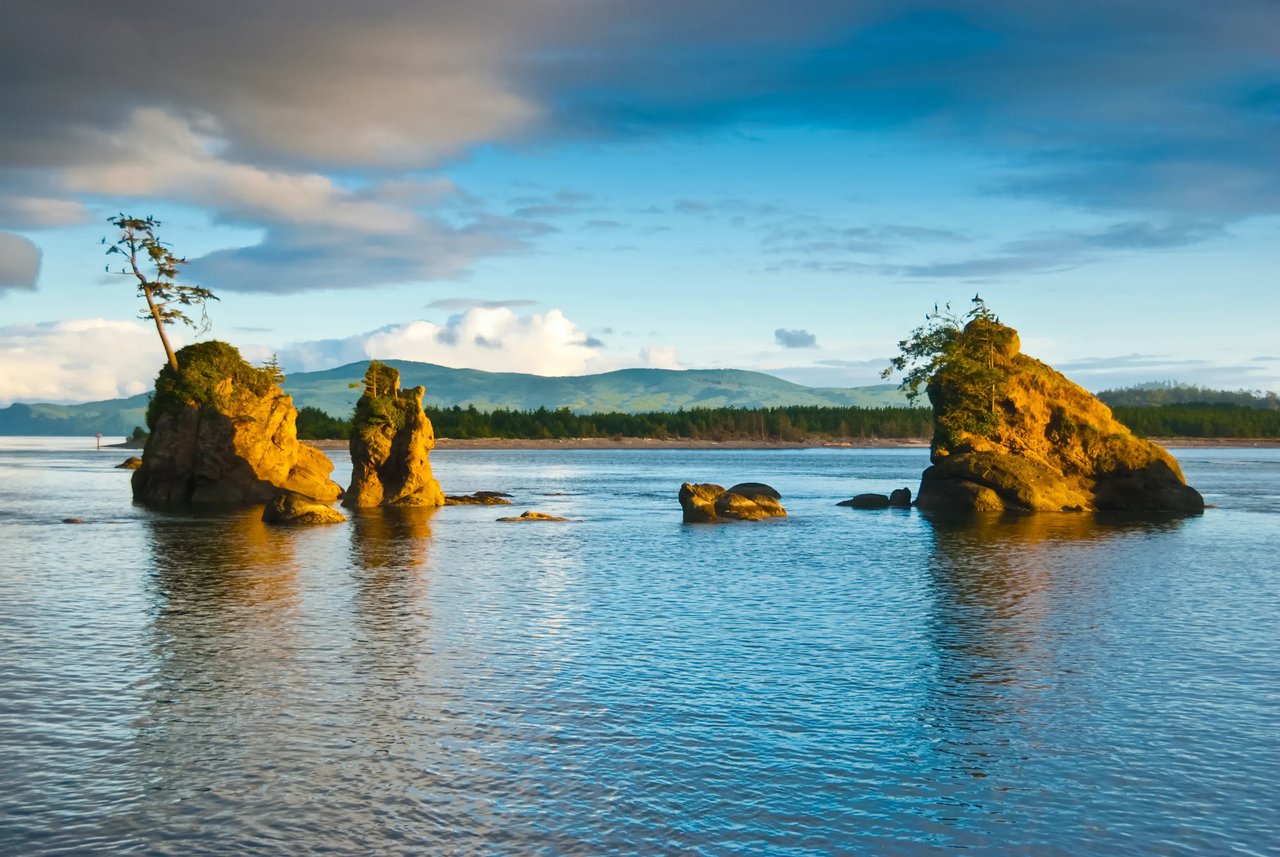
(706, 502)
(1025, 438)
(391, 440)
(223, 432)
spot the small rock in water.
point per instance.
(479, 498)
(533, 516)
(294, 509)
(866, 501)
(704, 502)
(900, 498)
(73, 520)
(130, 463)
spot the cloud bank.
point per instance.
(66, 361)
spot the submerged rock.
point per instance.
(866, 501)
(747, 501)
(479, 498)
(1024, 438)
(223, 432)
(900, 498)
(292, 509)
(532, 516)
(130, 463)
(391, 440)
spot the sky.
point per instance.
(573, 186)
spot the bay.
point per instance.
(840, 681)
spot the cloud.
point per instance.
(32, 212)
(1057, 251)
(76, 361)
(470, 303)
(660, 357)
(795, 338)
(877, 249)
(490, 339)
(19, 262)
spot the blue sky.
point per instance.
(561, 186)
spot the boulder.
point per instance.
(479, 498)
(223, 432)
(130, 463)
(1022, 437)
(293, 509)
(391, 441)
(532, 516)
(900, 498)
(866, 501)
(706, 502)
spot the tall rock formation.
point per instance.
(391, 439)
(1013, 434)
(223, 432)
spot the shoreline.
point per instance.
(488, 443)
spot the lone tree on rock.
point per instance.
(958, 359)
(165, 296)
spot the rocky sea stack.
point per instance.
(391, 439)
(223, 432)
(1013, 434)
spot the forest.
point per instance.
(795, 423)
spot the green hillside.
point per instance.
(110, 418)
(627, 390)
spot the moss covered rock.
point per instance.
(1019, 436)
(704, 502)
(223, 432)
(391, 441)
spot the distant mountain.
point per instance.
(110, 418)
(629, 390)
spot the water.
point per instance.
(838, 682)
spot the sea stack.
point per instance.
(1013, 434)
(223, 432)
(391, 439)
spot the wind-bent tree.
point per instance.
(955, 358)
(165, 296)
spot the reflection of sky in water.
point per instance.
(838, 681)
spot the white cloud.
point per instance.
(77, 361)
(40, 212)
(660, 357)
(493, 339)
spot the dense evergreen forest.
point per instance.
(1172, 393)
(796, 423)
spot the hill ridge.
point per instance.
(630, 390)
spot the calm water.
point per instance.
(837, 682)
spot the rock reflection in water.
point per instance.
(998, 583)
(385, 538)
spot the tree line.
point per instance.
(794, 423)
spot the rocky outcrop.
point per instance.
(479, 498)
(292, 509)
(747, 501)
(391, 440)
(900, 498)
(531, 516)
(223, 432)
(1015, 435)
(130, 463)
